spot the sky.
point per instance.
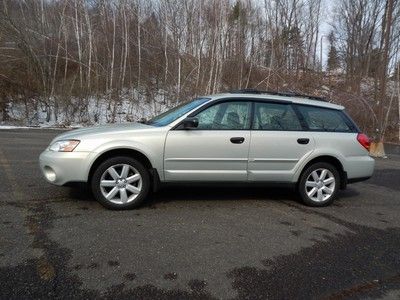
(325, 28)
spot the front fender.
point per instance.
(154, 158)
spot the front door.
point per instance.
(217, 150)
(278, 143)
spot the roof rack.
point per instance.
(285, 94)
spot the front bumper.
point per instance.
(60, 168)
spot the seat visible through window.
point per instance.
(275, 116)
(233, 115)
(233, 121)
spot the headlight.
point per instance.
(64, 146)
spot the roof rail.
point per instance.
(285, 94)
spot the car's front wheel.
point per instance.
(318, 184)
(120, 183)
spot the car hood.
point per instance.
(103, 129)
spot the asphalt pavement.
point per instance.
(193, 242)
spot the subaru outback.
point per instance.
(244, 136)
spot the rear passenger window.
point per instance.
(324, 119)
(275, 116)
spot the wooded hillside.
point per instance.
(56, 56)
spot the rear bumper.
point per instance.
(60, 168)
(359, 168)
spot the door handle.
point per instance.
(237, 140)
(303, 141)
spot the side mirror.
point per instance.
(190, 123)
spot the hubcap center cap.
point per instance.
(121, 183)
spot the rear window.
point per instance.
(325, 119)
(275, 116)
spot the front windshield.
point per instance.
(176, 112)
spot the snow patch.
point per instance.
(8, 127)
(128, 106)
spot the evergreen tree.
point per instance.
(333, 56)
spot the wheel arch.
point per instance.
(120, 152)
(331, 160)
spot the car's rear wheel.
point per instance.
(318, 184)
(120, 183)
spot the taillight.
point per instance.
(363, 140)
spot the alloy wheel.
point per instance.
(121, 184)
(320, 185)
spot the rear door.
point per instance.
(278, 142)
(334, 133)
(217, 150)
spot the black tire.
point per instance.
(302, 189)
(116, 161)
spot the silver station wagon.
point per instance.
(242, 136)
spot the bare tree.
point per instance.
(70, 51)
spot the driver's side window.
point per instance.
(225, 116)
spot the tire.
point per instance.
(120, 183)
(318, 184)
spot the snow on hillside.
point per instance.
(130, 107)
